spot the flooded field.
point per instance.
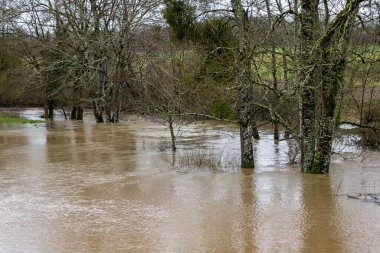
(84, 187)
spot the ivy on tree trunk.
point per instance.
(331, 49)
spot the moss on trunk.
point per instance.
(246, 120)
(332, 48)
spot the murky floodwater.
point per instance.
(84, 187)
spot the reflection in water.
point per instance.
(322, 231)
(69, 186)
(248, 222)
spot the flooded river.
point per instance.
(84, 187)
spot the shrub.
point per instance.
(222, 109)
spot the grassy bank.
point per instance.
(8, 119)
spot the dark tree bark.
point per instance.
(98, 112)
(246, 120)
(308, 73)
(333, 47)
(172, 135)
(77, 110)
(76, 113)
(49, 109)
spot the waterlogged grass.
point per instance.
(208, 158)
(8, 119)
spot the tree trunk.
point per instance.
(364, 88)
(246, 122)
(98, 113)
(255, 130)
(285, 70)
(49, 110)
(274, 72)
(245, 93)
(308, 73)
(172, 135)
(331, 81)
(77, 110)
(64, 113)
(76, 113)
(369, 117)
(118, 111)
(333, 47)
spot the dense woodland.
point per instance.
(306, 66)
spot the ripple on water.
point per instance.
(74, 187)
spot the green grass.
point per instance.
(19, 120)
(356, 69)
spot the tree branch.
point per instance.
(375, 129)
(202, 115)
(213, 11)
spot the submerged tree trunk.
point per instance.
(64, 113)
(245, 121)
(333, 47)
(172, 135)
(255, 130)
(308, 74)
(49, 110)
(76, 113)
(98, 113)
(77, 110)
(245, 93)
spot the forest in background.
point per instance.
(305, 66)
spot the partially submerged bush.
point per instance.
(294, 151)
(205, 158)
(370, 138)
(200, 158)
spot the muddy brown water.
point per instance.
(83, 187)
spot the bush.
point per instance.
(222, 109)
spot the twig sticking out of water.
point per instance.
(369, 197)
(337, 190)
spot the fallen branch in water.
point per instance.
(368, 197)
(360, 125)
(339, 154)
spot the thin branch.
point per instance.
(375, 129)
(202, 115)
(363, 60)
(270, 87)
(277, 117)
(213, 11)
(280, 17)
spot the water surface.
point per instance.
(84, 187)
